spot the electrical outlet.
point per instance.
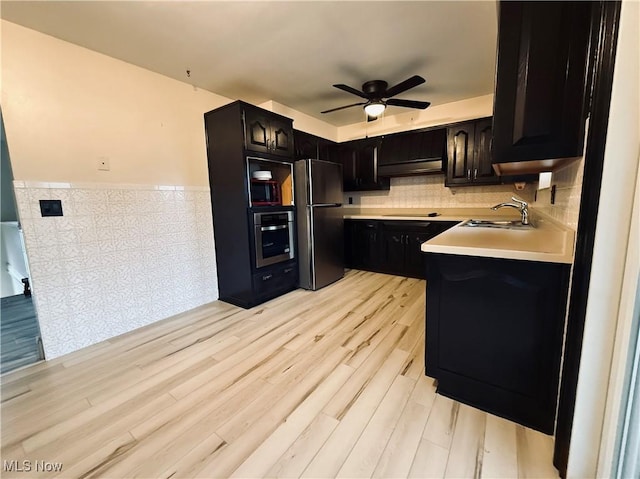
(103, 163)
(350, 200)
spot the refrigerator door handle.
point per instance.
(311, 246)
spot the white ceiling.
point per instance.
(288, 52)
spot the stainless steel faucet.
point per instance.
(520, 205)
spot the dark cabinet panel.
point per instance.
(273, 280)
(391, 247)
(483, 172)
(359, 159)
(344, 154)
(494, 334)
(412, 153)
(362, 244)
(469, 160)
(311, 146)
(460, 158)
(541, 83)
(258, 132)
(414, 260)
(267, 132)
(401, 242)
(281, 137)
(233, 132)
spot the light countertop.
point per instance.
(549, 241)
(420, 214)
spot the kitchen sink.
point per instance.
(504, 224)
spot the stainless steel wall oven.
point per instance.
(273, 237)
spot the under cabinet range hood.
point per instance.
(421, 166)
(413, 153)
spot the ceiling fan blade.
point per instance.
(352, 90)
(414, 81)
(343, 107)
(408, 103)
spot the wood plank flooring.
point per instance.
(19, 332)
(312, 384)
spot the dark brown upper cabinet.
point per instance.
(359, 159)
(469, 154)
(267, 132)
(310, 146)
(542, 84)
(413, 153)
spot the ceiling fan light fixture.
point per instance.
(374, 108)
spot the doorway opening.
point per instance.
(21, 343)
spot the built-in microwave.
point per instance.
(265, 193)
(273, 237)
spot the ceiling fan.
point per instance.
(378, 96)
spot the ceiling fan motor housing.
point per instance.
(375, 89)
(377, 94)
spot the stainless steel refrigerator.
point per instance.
(318, 198)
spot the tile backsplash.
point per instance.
(428, 191)
(568, 183)
(121, 257)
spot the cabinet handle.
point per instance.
(267, 277)
(475, 174)
(288, 270)
(469, 174)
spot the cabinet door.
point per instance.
(541, 80)
(366, 158)
(281, 137)
(483, 165)
(306, 145)
(460, 142)
(350, 243)
(393, 244)
(394, 149)
(415, 266)
(344, 154)
(494, 334)
(324, 149)
(370, 253)
(366, 254)
(257, 131)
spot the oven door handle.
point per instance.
(273, 228)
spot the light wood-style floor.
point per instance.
(312, 384)
(19, 333)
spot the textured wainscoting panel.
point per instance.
(121, 257)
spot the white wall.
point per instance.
(65, 107)
(610, 250)
(135, 244)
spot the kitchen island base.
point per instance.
(494, 334)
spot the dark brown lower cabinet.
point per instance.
(391, 247)
(494, 334)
